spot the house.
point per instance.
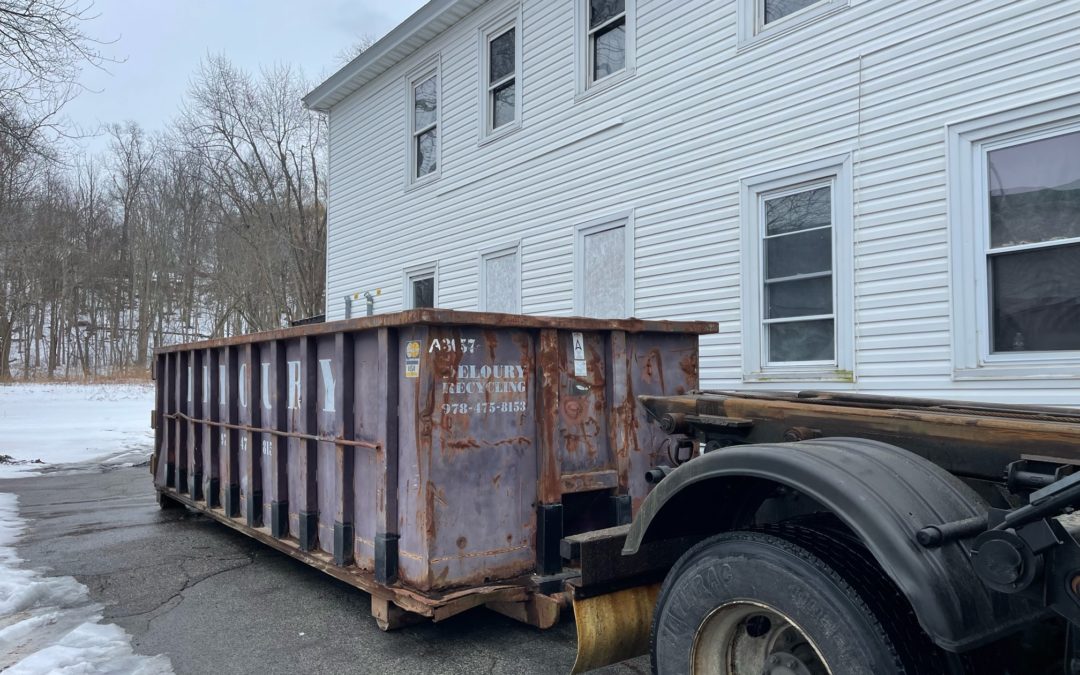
(871, 195)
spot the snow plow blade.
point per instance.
(613, 627)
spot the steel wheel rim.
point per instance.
(746, 637)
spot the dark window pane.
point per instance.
(502, 56)
(424, 104)
(603, 10)
(423, 292)
(799, 253)
(778, 9)
(503, 105)
(1036, 300)
(426, 151)
(609, 51)
(805, 297)
(1035, 191)
(801, 341)
(799, 211)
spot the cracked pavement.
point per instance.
(216, 601)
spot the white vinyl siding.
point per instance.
(884, 82)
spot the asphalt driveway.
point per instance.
(215, 601)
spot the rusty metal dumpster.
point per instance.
(432, 458)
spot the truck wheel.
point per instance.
(750, 603)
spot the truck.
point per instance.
(542, 466)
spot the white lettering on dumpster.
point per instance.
(266, 385)
(206, 384)
(328, 385)
(294, 385)
(223, 385)
(509, 380)
(241, 385)
(190, 383)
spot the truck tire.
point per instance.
(751, 603)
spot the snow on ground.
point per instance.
(64, 424)
(48, 624)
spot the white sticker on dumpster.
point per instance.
(581, 369)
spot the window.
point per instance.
(1014, 205)
(421, 288)
(764, 19)
(607, 41)
(500, 72)
(1033, 257)
(604, 269)
(423, 115)
(796, 278)
(500, 280)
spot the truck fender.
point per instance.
(883, 493)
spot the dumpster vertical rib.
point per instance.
(168, 450)
(308, 478)
(231, 452)
(213, 435)
(386, 459)
(278, 490)
(253, 466)
(195, 429)
(549, 489)
(180, 391)
(345, 456)
(159, 420)
(620, 428)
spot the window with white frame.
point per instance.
(421, 286)
(500, 280)
(765, 18)
(1015, 207)
(607, 40)
(604, 269)
(424, 124)
(797, 273)
(501, 74)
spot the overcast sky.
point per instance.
(162, 41)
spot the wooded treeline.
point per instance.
(213, 227)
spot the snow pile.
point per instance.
(59, 424)
(49, 625)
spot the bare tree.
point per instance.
(43, 48)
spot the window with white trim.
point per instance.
(1015, 231)
(606, 44)
(501, 77)
(424, 125)
(797, 274)
(604, 269)
(421, 286)
(768, 18)
(500, 280)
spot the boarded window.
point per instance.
(1034, 259)
(603, 273)
(502, 283)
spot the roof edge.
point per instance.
(317, 98)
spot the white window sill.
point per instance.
(1019, 371)
(603, 85)
(488, 137)
(830, 375)
(419, 183)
